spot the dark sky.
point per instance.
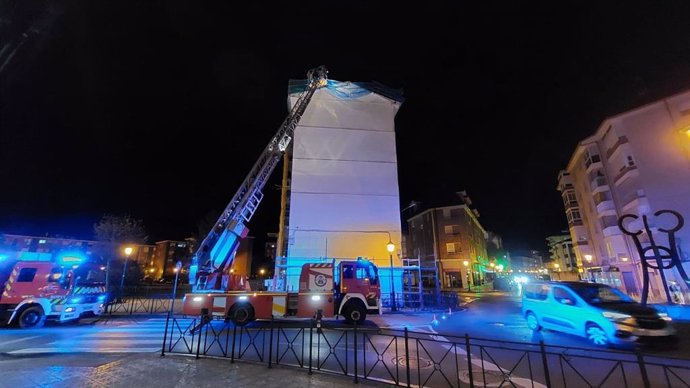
(159, 109)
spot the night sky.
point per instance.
(159, 109)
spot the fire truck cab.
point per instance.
(349, 289)
(34, 291)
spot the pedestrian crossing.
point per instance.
(136, 337)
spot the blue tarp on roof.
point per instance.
(350, 90)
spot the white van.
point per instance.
(598, 312)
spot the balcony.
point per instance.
(606, 208)
(592, 162)
(625, 173)
(599, 184)
(611, 231)
(636, 203)
(621, 140)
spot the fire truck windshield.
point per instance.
(369, 271)
(90, 275)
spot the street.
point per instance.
(118, 335)
(497, 316)
(437, 351)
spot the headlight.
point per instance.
(665, 317)
(615, 316)
(69, 310)
(197, 299)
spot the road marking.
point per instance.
(18, 340)
(107, 342)
(85, 350)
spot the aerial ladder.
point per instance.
(213, 258)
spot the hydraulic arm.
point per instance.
(217, 251)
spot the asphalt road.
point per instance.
(498, 317)
(437, 353)
(122, 335)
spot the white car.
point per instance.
(598, 312)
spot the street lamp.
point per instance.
(391, 247)
(588, 258)
(128, 252)
(467, 274)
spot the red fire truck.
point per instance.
(34, 291)
(347, 288)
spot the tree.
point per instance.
(120, 229)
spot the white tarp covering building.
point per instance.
(344, 197)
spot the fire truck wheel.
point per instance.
(355, 312)
(241, 314)
(31, 317)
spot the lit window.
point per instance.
(450, 248)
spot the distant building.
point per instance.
(637, 162)
(48, 248)
(446, 238)
(562, 254)
(526, 260)
(155, 260)
(167, 254)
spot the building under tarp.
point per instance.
(343, 198)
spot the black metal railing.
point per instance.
(143, 300)
(406, 358)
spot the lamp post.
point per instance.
(128, 252)
(391, 247)
(467, 274)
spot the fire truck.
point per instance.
(346, 288)
(36, 291)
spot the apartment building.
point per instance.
(561, 252)
(637, 162)
(451, 239)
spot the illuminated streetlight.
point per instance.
(391, 248)
(557, 266)
(588, 258)
(492, 265)
(687, 132)
(624, 259)
(262, 271)
(128, 252)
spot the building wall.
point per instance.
(636, 163)
(450, 235)
(344, 199)
(562, 253)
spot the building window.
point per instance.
(569, 198)
(631, 162)
(446, 213)
(591, 158)
(573, 215)
(450, 248)
(452, 229)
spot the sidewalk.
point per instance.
(151, 370)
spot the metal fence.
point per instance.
(414, 359)
(143, 300)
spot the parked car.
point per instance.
(601, 313)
